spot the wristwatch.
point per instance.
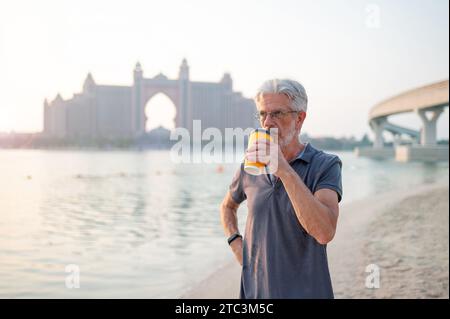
(233, 237)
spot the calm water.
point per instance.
(136, 224)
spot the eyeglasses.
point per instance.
(278, 115)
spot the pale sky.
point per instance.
(347, 59)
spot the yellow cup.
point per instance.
(256, 168)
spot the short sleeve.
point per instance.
(236, 188)
(331, 177)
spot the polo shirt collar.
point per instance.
(306, 154)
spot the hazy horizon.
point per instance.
(347, 61)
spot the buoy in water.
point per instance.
(219, 169)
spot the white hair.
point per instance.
(292, 89)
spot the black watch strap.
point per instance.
(233, 237)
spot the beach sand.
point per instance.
(412, 254)
(405, 233)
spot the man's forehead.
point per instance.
(273, 99)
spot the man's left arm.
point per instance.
(317, 213)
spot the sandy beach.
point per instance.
(403, 233)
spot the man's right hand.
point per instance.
(236, 247)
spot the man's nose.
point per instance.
(268, 122)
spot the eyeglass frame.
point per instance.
(279, 113)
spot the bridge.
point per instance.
(428, 102)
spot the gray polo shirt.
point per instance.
(280, 259)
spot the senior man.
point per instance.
(293, 212)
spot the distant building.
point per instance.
(116, 112)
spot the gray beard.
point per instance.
(288, 139)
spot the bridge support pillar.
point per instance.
(428, 131)
(377, 126)
(397, 138)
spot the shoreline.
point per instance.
(355, 237)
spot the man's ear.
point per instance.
(300, 119)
